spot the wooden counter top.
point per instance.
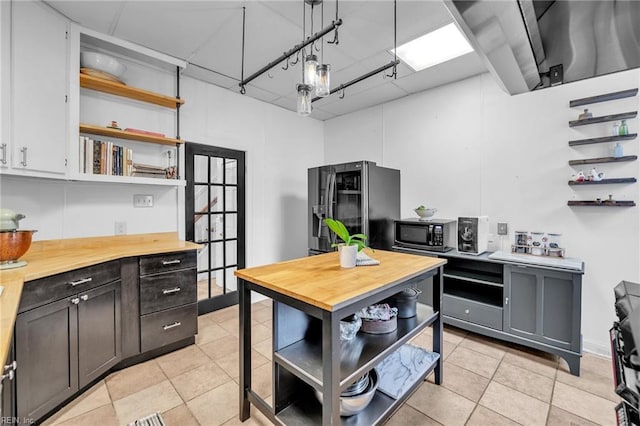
(46, 258)
(320, 281)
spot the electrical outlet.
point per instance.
(120, 228)
(142, 200)
(502, 229)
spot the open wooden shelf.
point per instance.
(604, 181)
(121, 134)
(603, 98)
(604, 118)
(603, 160)
(601, 203)
(119, 89)
(603, 139)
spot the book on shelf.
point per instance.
(104, 158)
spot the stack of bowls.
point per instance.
(352, 402)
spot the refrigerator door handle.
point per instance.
(329, 199)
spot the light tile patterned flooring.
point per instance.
(486, 382)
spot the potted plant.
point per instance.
(351, 245)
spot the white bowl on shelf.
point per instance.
(102, 62)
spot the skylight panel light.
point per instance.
(433, 48)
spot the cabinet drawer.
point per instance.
(164, 327)
(45, 290)
(162, 291)
(167, 262)
(469, 310)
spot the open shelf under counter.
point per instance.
(473, 276)
(308, 411)
(81, 177)
(121, 134)
(357, 356)
(122, 90)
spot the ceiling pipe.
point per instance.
(359, 79)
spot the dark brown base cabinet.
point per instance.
(63, 346)
(73, 328)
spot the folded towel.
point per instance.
(363, 259)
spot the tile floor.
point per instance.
(486, 382)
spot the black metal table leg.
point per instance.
(438, 344)
(244, 302)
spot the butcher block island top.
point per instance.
(321, 282)
(51, 257)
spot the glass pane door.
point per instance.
(215, 219)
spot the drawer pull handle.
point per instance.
(170, 326)
(466, 311)
(170, 262)
(82, 281)
(171, 290)
(9, 376)
(75, 300)
(84, 297)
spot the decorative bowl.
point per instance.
(102, 62)
(14, 244)
(425, 214)
(351, 405)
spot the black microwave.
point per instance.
(433, 234)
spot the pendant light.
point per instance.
(323, 80)
(310, 64)
(304, 99)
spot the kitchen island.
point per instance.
(311, 295)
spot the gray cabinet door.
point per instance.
(7, 390)
(543, 305)
(99, 332)
(47, 356)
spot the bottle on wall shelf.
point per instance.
(616, 129)
(624, 130)
(617, 151)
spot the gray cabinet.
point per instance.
(543, 305)
(168, 299)
(532, 306)
(7, 386)
(64, 345)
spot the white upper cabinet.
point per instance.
(39, 77)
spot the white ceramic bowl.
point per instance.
(102, 62)
(425, 213)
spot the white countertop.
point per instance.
(569, 263)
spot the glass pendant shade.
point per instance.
(322, 80)
(304, 99)
(310, 64)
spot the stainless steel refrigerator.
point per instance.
(363, 196)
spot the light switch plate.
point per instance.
(502, 228)
(142, 200)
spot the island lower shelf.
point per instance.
(308, 410)
(304, 358)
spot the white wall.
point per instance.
(279, 146)
(468, 148)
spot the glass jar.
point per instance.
(615, 130)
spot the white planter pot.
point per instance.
(348, 256)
